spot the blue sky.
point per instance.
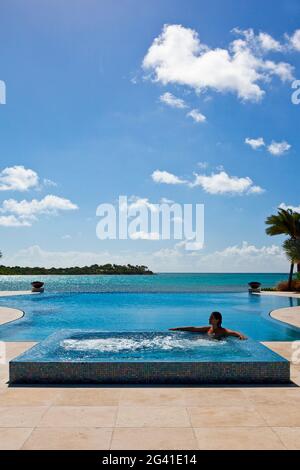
(88, 122)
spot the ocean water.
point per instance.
(158, 283)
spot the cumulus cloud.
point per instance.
(244, 257)
(278, 148)
(48, 205)
(13, 221)
(222, 183)
(196, 116)
(274, 148)
(165, 200)
(286, 207)
(24, 213)
(216, 183)
(136, 203)
(18, 178)
(295, 40)
(142, 235)
(268, 43)
(48, 182)
(178, 56)
(255, 143)
(166, 177)
(202, 165)
(172, 101)
(256, 190)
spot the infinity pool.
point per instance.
(48, 313)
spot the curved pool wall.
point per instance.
(49, 312)
(146, 358)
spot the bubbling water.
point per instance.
(119, 344)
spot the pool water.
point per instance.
(92, 346)
(142, 346)
(47, 313)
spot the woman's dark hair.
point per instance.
(218, 316)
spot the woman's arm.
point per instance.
(192, 329)
(236, 334)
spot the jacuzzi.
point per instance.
(93, 357)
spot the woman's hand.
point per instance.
(242, 337)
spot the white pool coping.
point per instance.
(8, 314)
(8, 293)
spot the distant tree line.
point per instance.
(94, 269)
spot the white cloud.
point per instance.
(174, 102)
(247, 249)
(138, 203)
(18, 178)
(141, 235)
(13, 221)
(178, 56)
(275, 148)
(246, 258)
(165, 200)
(255, 143)
(171, 100)
(256, 190)
(295, 40)
(36, 256)
(202, 165)
(23, 213)
(189, 244)
(268, 43)
(166, 177)
(48, 205)
(293, 208)
(196, 115)
(222, 183)
(216, 183)
(243, 257)
(48, 182)
(281, 69)
(278, 148)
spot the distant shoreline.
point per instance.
(107, 269)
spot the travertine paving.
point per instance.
(9, 314)
(150, 417)
(290, 315)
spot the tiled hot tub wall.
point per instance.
(47, 363)
(149, 372)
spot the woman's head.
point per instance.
(215, 319)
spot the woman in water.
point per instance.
(215, 330)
